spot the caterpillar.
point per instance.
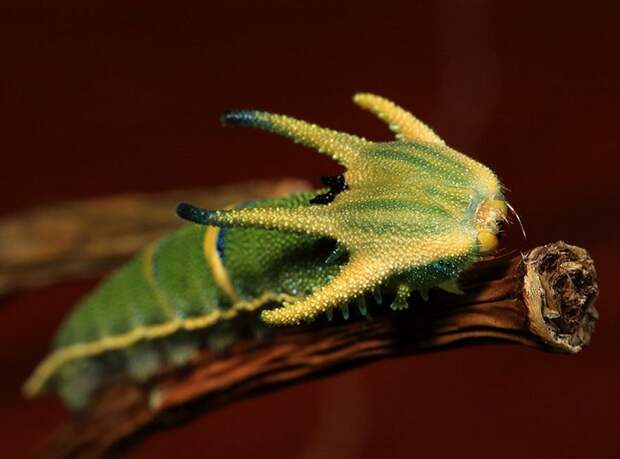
(407, 215)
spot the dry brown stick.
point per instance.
(544, 298)
(84, 238)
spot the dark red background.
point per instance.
(109, 99)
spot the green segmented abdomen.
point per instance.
(159, 308)
(101, 316)
(166, 289)
(182, 276)
(168, 282)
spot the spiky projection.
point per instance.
(414, 214)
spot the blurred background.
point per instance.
(116, 97)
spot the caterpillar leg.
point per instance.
(403, 292)
(362, 306)
(376, 294)
(401, 122)
(357, 277)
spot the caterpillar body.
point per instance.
(407, 215)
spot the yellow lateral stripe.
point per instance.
(215, 262)
(81, 350)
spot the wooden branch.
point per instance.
(544, 298)
(85, 238)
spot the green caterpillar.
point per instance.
(407, 215)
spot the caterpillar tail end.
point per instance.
(37, 380)
(30, 389)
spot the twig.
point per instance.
(544, 298)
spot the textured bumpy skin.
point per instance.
(410, 215)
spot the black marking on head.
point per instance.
(193, 213)
(337, 184)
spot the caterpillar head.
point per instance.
(408, 204)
